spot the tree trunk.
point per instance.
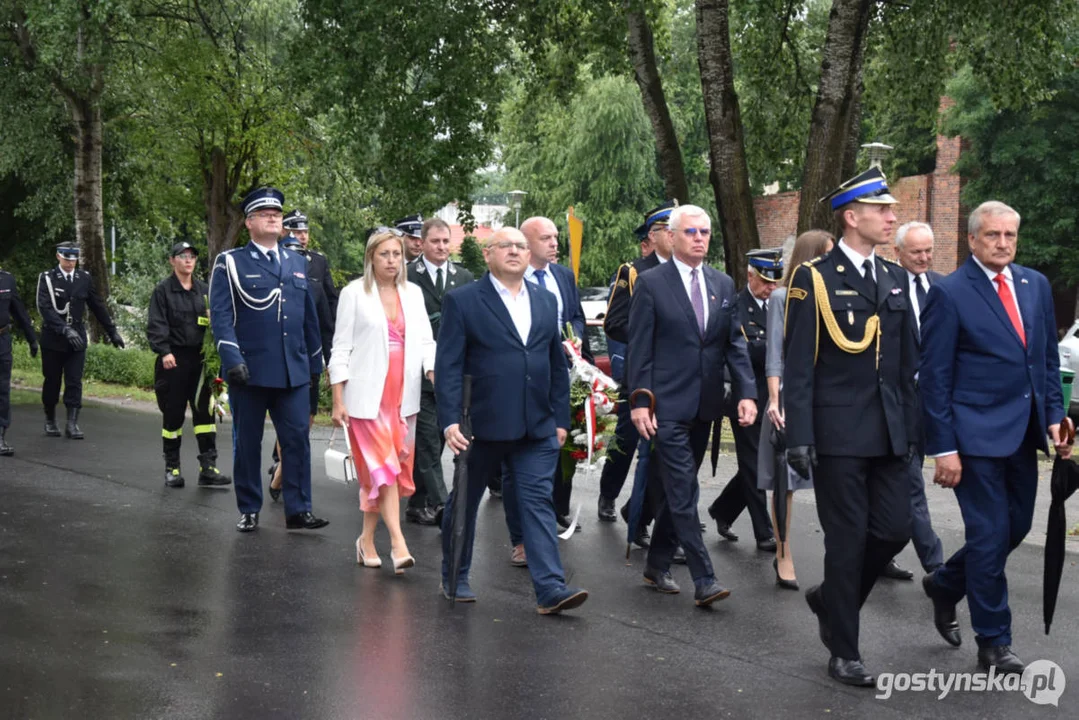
(831, 150)
(223, 219)
(89, 218)
(642, 53)
(726, 140)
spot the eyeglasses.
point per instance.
(267, 214)
(693, 232)
(393, 231)
(185, 256)
(507, 244)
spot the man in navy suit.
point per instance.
(503, 332)
(266, 328)
(990, 386)
(681, 333)
(914, 250)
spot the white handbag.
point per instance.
(340, 465)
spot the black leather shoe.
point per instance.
(72, 430)
(783, 582)
(661, 581)
(5, 449)
(420, 516)
(850, 672)
(943, 613)
(767, 545)
(679, 555)
(248, 522)
(275, 493)
(173, 478)
(893, 571)
(816, 604)
(704, 596)
(304, 521)
(724, 529)
(606, 510)
(1002, 658)
(51, 430)
(563, 522)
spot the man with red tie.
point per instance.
(990, 389)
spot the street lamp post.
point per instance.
(877, 151)
(516, 196)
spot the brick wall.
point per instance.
(932, 198)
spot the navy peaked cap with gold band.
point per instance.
(656, 216)
(410, 225)
(295, 220)
(768, 263)
(69, 250)
(869, 187)
(263, 198)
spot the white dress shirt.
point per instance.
(687, 280)
(433, 270)
(67, 275)
(550, 283)
(858, 260)
(519, 307)
(992, 275)
(912, 287)
(276, 249)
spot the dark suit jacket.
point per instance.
(977, 380)
(456, 276)
(519, 390)
(842, 402)
(754, 323)
(667, 354)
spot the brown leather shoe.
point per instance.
(517, 556)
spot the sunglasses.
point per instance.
(393, 231)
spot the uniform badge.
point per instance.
(299, 275)
(622, 284)
(421, 268)
(839, 268)
(1024, 281)
(255, 255)
(896, 290)
(798, 293)
(846, 292)
(252, 276)
(850, 317)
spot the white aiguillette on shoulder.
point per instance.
(339, 465)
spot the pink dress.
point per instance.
(380, 443)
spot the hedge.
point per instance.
(103, 362)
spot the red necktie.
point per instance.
(1005, 295)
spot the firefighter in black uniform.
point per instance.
(176, 328)
(63, 293)
(750, 307)
(11, 309)
(848, 387)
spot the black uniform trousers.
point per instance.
(5, 379)
(679, 450)
(430, 485)
(864, 508)
(176, 389)
(68, 365)
(741, 492)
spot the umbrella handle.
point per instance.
(1067, 431)
(651, 400)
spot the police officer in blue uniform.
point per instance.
(11, 309)
(266, 328)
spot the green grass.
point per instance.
(21, 378)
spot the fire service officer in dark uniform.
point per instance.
(848, 381)
(63, 294)
(176, 327)
(11, 309)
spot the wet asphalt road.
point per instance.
(120, 598)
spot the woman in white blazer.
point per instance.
(382, 345)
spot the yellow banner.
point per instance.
(576, 236)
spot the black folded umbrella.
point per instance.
(459, 518)
(779, 480)
(717, 434)
(1065, 481)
